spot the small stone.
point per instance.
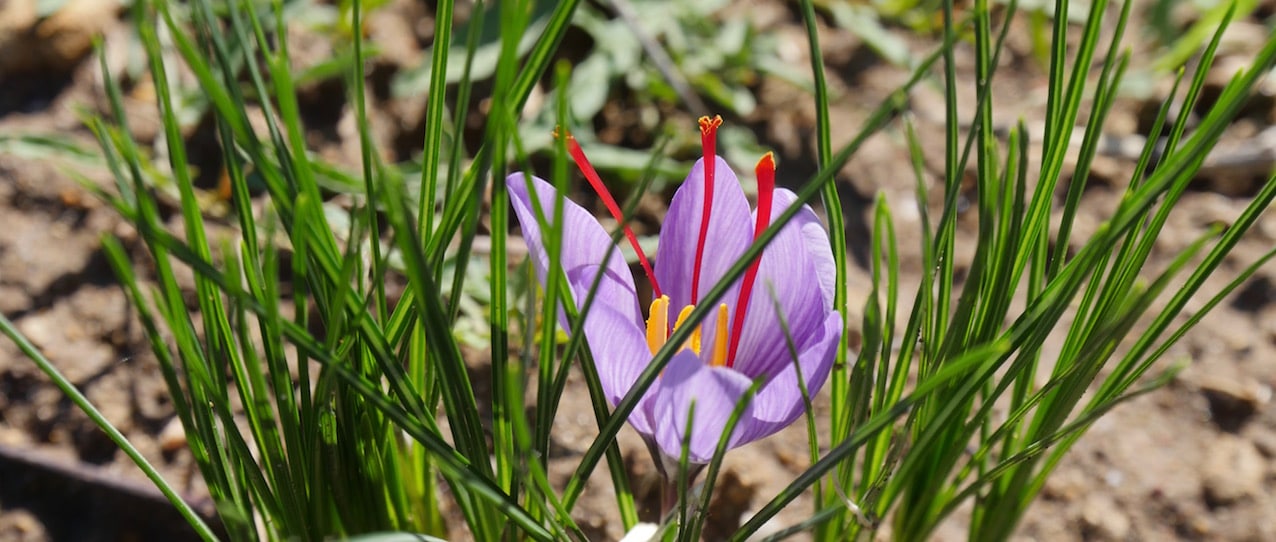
(1200, 526)
(151, 398)
(173, 437)
(1232, 403)
(1102, 518)
(40, 329)
(790, 459)
(101, 310)
(1266, 444)
(1065, 486)
(105, 394)
(10, 436)
(1114, 478)
(13, 299)
(21, 526)
(64, 342)
(1233, 471)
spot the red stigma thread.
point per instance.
(709, 143)
(596, 183)
(765, 171)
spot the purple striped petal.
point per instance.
(713, 390)
(789, 286)
(816, 239)
(614, 324)
(779, 403)
(730, 232)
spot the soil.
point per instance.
(1195, 460)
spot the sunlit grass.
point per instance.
(391, 434)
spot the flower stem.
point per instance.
(668, 498)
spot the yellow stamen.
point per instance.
(720, 339)
(694, 341)
(658, 323)
(658, 329)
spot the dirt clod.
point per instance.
(61, 338)
(1104, 519)
(1233, 471)
(21, 526)
(1232, 404)
(732, 497)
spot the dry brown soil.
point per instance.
(1195, 460)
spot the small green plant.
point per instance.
(388, 430)
(949, 449)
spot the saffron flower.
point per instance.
(775, 322)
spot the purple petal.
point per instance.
(585, 244)
(816, 239)
(618, 345)
(730, 232)
(643, 417)
(789, 286)
(714, 391)
(614, 324)
(780, 402)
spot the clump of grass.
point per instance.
(389, 431)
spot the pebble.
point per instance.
(173, 437)
(21, 526)
(1103, 518)
(79, 358)
(151, 398)
(1065, 486)
(13, 299)
(57, 42)
(1233, 402)
(1266, 443)
(1233, 471)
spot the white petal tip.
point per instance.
(642, 532)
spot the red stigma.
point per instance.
(596, 183)
(765, 171)
(709, 143)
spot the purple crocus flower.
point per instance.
(708, 227)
